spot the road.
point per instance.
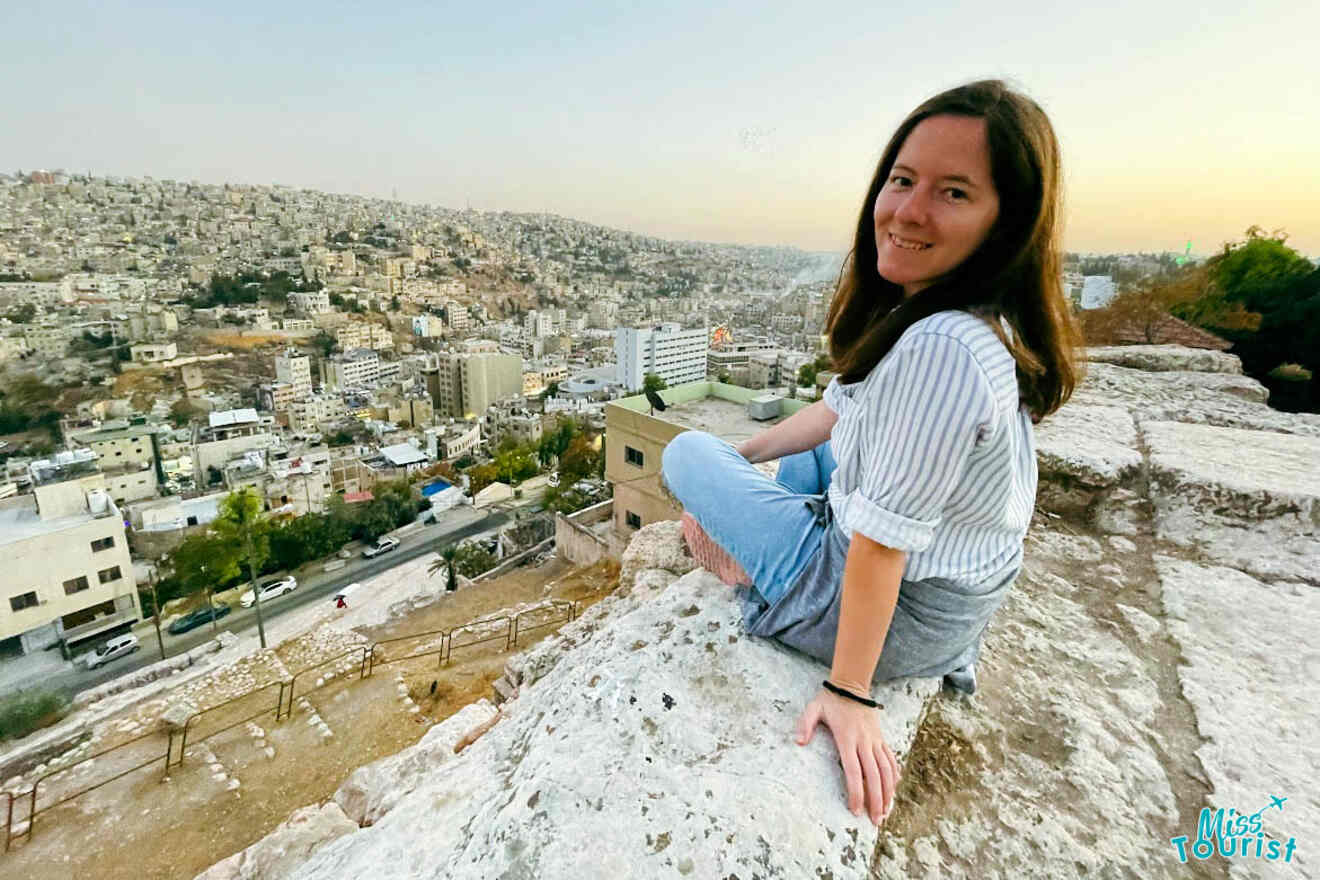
(318, 585)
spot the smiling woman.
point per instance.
(894, 527)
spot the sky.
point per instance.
(743, 122)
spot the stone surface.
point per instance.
(1160, 358)
(661, 703)
(177, 715)
(288, 845)
(1094, 445)
(1248, 498)
(1186, 397)
(1251, 659)
(656, 546)
(373, 790)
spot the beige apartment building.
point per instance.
(463, 386)
(127, 457)
(636, 439)
(67, 574)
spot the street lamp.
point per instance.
(155, 602)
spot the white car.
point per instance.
(384, 545)
(271, 589)
(119, 646)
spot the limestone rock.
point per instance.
(651, 740)
(1248, 498)
(1247, 646)
(1161, 358)
(1188, 397)
(177, 715)
(655, 546)
(373, 790)
(272, 857)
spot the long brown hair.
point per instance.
(1013, 275)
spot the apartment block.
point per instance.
(68, 576)
(676, 355)
(127, 457)
(363, 334)
(294, 368)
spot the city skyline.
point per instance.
(739, 125)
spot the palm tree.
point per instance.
(446, 560)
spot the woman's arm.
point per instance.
(805, 429)
(871, 579)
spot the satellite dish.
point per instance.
(656, 401)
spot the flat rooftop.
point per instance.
(712, 407)
(20, 521)
(723, 418)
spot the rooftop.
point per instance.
(20, 521)
(712, 407)
(233, 417)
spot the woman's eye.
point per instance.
(960, 192)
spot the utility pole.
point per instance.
(245, 524)
(155, 606)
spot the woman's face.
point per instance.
(939, 193)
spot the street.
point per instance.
(314, 586)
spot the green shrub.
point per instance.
(1291, 373)
(23, 713)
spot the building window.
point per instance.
(634, 521)
(103, 544)
(633, 456)
(109, 574)
(76, 585)
(27, 600)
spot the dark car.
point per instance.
(197, 618)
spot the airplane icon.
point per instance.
(1277, 802)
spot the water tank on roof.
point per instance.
(763, 408)
(97, 502)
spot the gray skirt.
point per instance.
(936, 628)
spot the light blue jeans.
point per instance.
(783, 534)
(765, 524)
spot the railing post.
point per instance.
(513, 631)
(9, 821)
(32, 811)
(183, 746)
(169, 750)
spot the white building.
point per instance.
(310, 302)
(67, 576)
(669, 351)
(358, 368)
(294, 368)
(1097, 291)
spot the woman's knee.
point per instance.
(682, 456)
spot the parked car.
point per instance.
(384, 545)
(196, 618)
(119, 646)
(271, 589)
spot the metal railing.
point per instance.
(366, 665)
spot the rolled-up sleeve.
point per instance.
(926, 408)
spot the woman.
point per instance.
(895, 526)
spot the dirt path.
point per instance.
(236, 786)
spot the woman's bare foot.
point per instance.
(712, 556)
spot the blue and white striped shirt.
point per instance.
(936, 455)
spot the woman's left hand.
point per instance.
(869, 766)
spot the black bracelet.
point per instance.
(850, 695)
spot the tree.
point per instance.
(551, 390)
(202, 563)
(325, 343)
(446, 561)
(240, 522)
(653, 382)
(579, 460)
(472, 559)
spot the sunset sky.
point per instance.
(749, 122)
